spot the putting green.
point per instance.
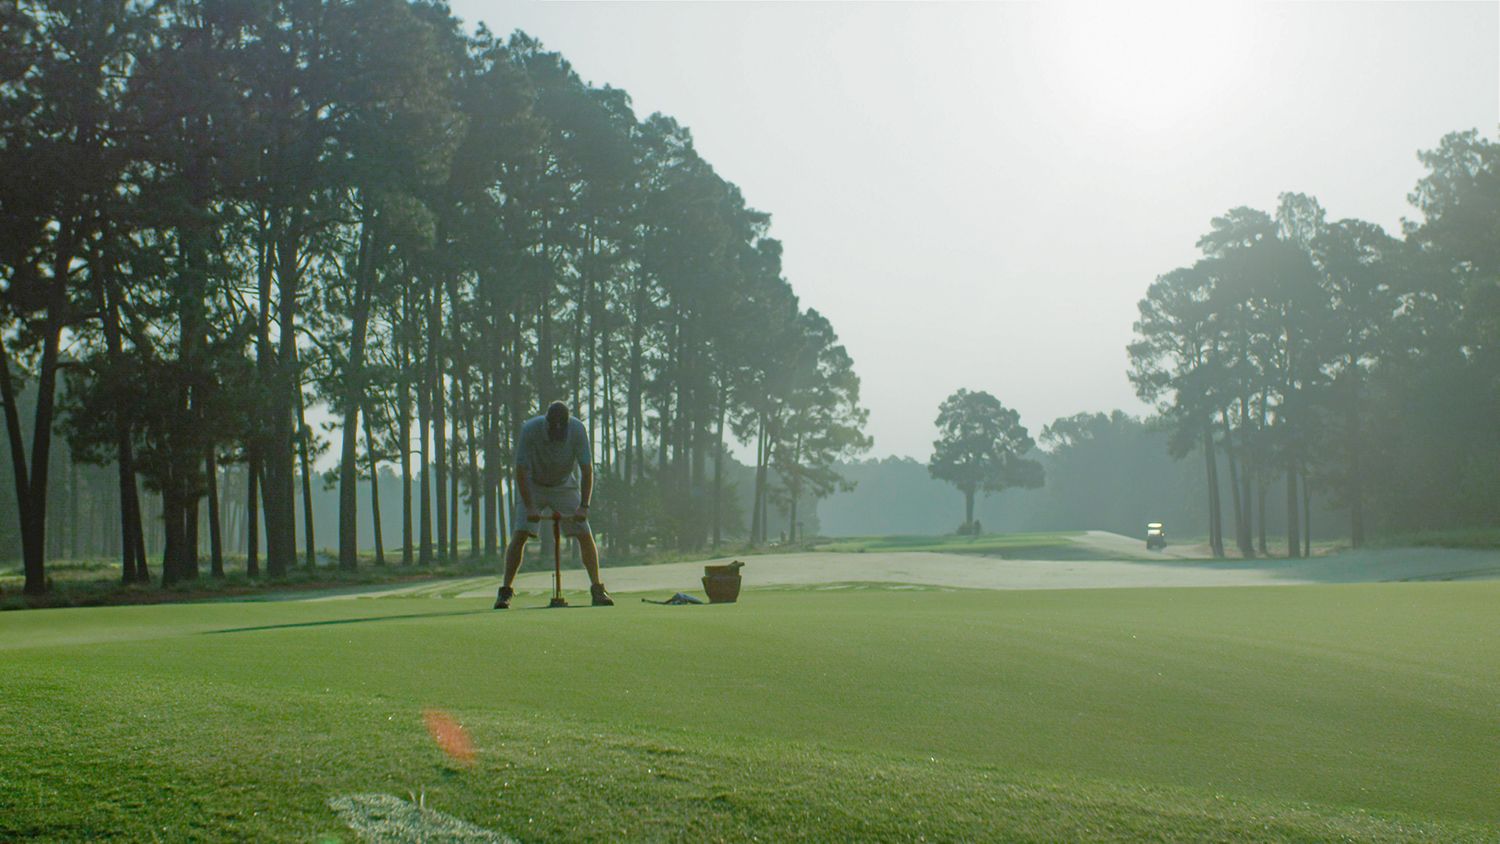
(1351, 711)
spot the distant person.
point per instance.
(554, 471)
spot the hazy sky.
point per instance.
(977, 195)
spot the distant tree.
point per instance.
(1357, 265)
(1171, 364)
(982, 446)
(824, 420)
(1435, 395)
(1460, 202)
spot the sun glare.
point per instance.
(1148, 67)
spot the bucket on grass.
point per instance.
(722, 583)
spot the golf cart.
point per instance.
(1156, 536)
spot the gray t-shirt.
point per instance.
(549, 463)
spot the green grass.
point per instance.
(1028, 545)
(1304, 713)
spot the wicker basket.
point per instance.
(722, 583)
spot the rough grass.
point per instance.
(1307, 713)
(1474, 538)
(93, 583)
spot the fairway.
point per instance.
(1297, 713)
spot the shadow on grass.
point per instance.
(332, 621)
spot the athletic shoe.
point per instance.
(502, 600)
(601, 597)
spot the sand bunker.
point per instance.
(976, 572)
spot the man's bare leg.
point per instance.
(513, 553)
(515, 550)
(590, 554)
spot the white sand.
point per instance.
(975, 572)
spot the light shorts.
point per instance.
(546, 500)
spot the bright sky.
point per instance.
(977, 194)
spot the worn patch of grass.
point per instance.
(1307, 713)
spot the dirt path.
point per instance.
(973, 572)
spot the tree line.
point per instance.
(215, 215)
(1329, 357)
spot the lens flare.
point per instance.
(449, 735)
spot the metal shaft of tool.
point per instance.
(556, 556)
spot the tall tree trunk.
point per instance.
(635, 457)
(968, 511)
(404, 399)
(374, 459)
(172, 528)
(609, 427)
(664, 439)
(595, 430)
(190, 507)
(234, 513)
(1356, 494)
(354, 392)
(719, 471)
(33, 515)
(476, 497)
(424, 480)
(491, 467)
(453, 473)
(1261, 490)
(304, 437)
(580, 306)
(791, 533)
(1306, 515)
(1263, 481)
(133, 567)
(267, 364)
(1247, 468)
(1215, 518)
(35, 579)
(142, 568)
(437, 407)
(1293, 528)
(252, 517)
(215, 539)
(132, 556)
(757, 515)
(278, 481)
(1241, 536)
(545, 384)
(185, 455)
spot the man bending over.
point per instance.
(554, 471)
